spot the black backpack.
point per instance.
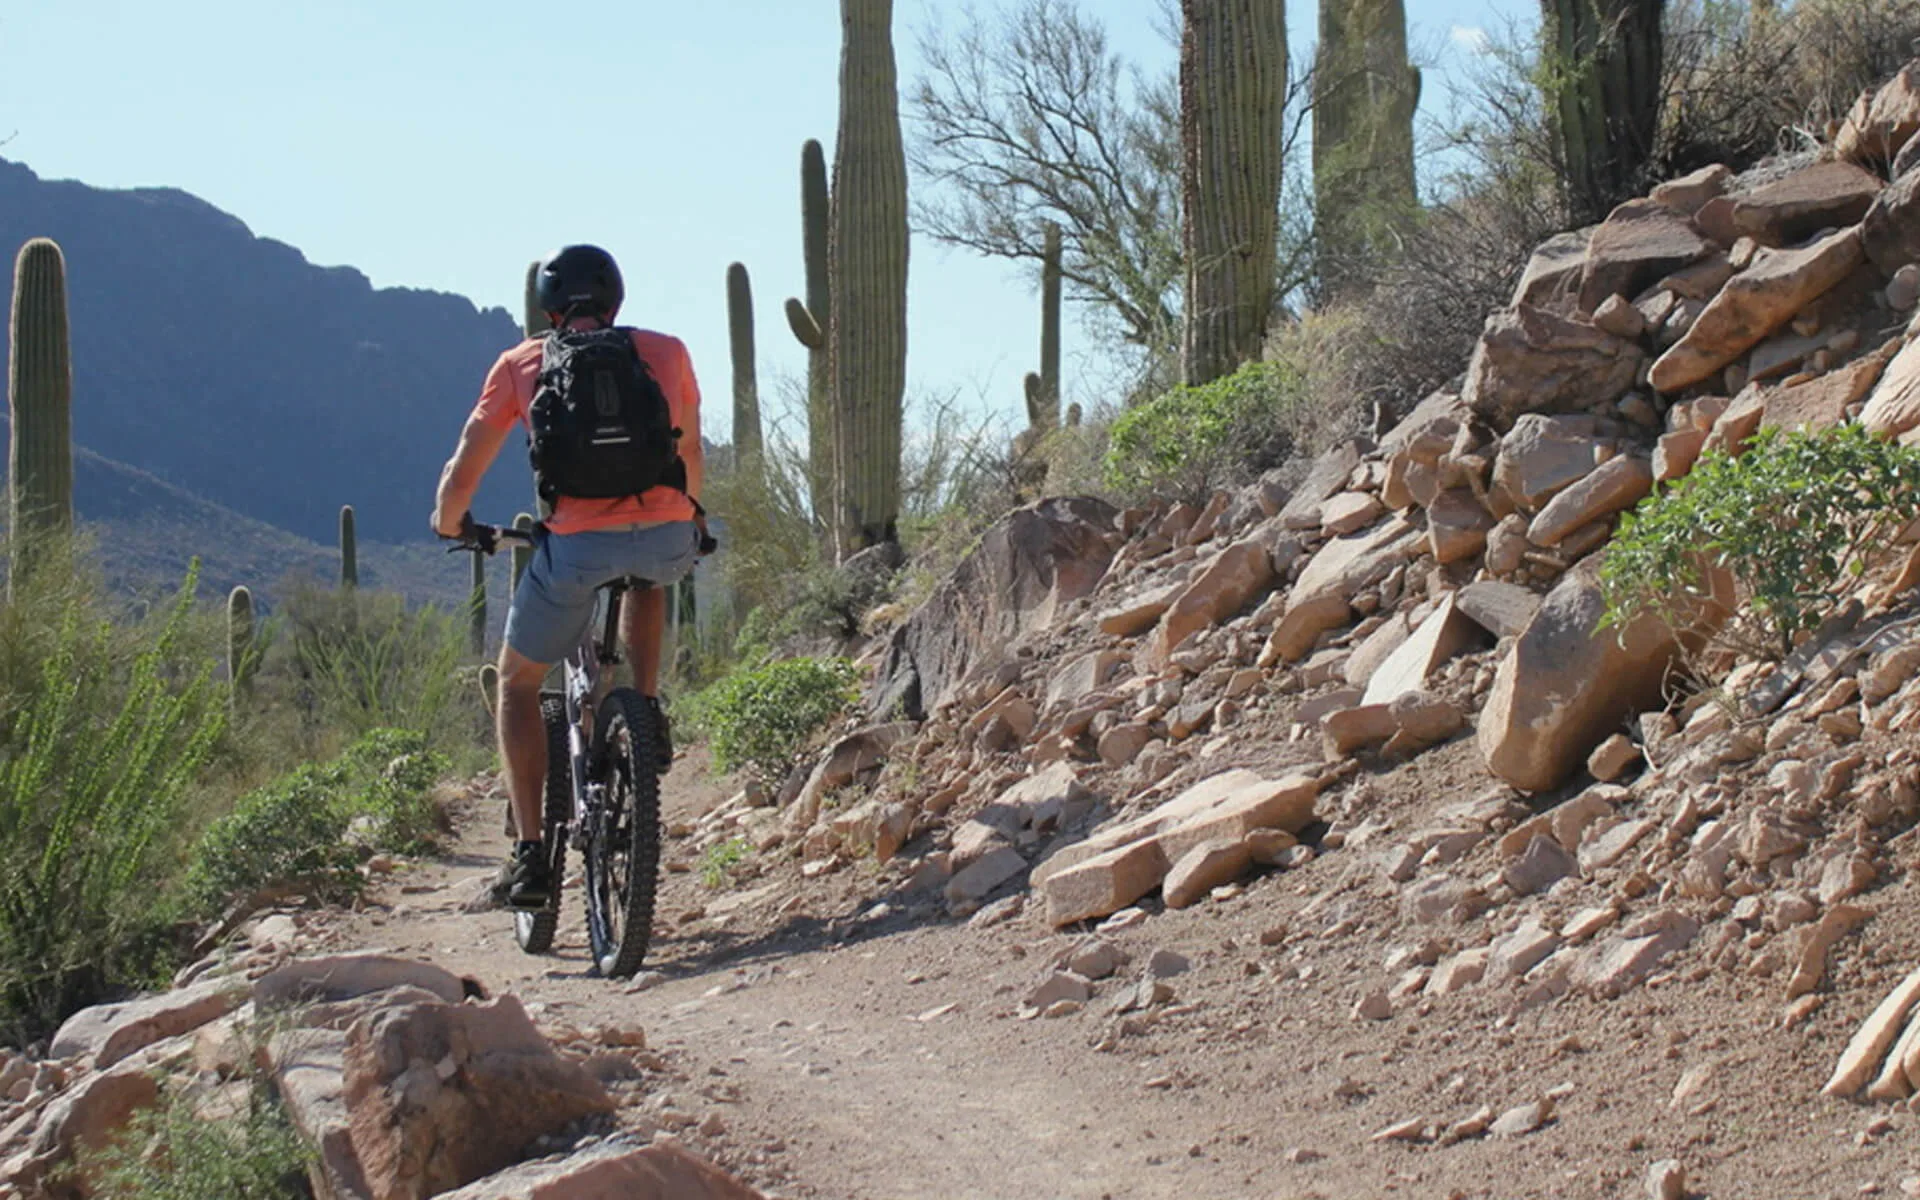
(599, 426)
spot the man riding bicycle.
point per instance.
(595, 533)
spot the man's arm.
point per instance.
(480, 444)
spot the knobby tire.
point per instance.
(623, 853)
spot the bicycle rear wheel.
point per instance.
(622, 849)
(534, 930)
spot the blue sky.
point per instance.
(444, 143)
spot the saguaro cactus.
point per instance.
(1603, 95)
(1365, 94)
(868, 237)
(535, 322)
(812, 322)
(39, 400)
(520, 553)
(240, 658)
(349, 550)
(746, 387)
(477, 605)
(1043, 388)
(1233, 88)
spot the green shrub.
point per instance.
(1191, 440)
(759, 717)
(294, 832)
(94, 777)
(1796, 521)
(719, 860)
(171, 1152)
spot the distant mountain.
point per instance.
(229, 366)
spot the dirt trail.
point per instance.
(870, 1061)
(831, 1038)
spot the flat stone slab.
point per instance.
(109, 1032)
(345, 976)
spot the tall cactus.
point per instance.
(1603, 91)
(240, 656)
(520, 553)
(868, 244)
(1233, 90)
(1365, 94)
(349, 550)
(746, 386)
(39, 400)
(477, 605)
(812, 323)
(1043, 388)
(535, 322)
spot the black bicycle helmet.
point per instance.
(578, 281)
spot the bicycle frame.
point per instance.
(583, 674)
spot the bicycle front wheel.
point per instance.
(622, 851)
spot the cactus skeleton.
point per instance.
(39, 400)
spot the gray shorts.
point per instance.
(553, 605)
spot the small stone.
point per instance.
(1374, 1006)
(1096, 959)
(1611, 758)
(1412, 1130)
(1165, 964)
(1518, 1122)
(1904, 292)
(1667, 1180)
(1061, 985)
(1301, 1155)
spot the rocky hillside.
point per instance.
(1387, 685)
(227, 365)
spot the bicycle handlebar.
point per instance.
(476, 538)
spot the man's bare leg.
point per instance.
(643, 627)
(523, 739)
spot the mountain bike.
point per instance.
(604, 760)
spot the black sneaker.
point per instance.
(524, 881)
(662, 732)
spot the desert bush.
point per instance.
(1795, 521)
(1189, 441)
(294, 832)
(759, 717)
(172, 1152)
(95, 773)
(353, 661)
(1743, 84)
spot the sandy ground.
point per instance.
(825, 1047)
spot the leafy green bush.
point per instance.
(94, 776)
(719, 860)
(294, 832)
(171, 1152)
(1795, 521)
(1190, 440)
(759, 717)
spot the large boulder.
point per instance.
(1531, 360)
(337, 977)
(85, 1118)
(1542, 455)
(1567, 684)
(859, 751)
(1616, 486)
(614, 1168)
(107, 1033)
(440, 1095)
(1771, 292)
(1638, 244)
(1890, 234)
(309, 1066)
(1826, 195)
(1237, 576)
(1882, 122)
(1895, 406)
(1326, 478)
(1026, 570)
(1552, 276)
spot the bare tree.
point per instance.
(1031, 117)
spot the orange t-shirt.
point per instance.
(508, 393)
